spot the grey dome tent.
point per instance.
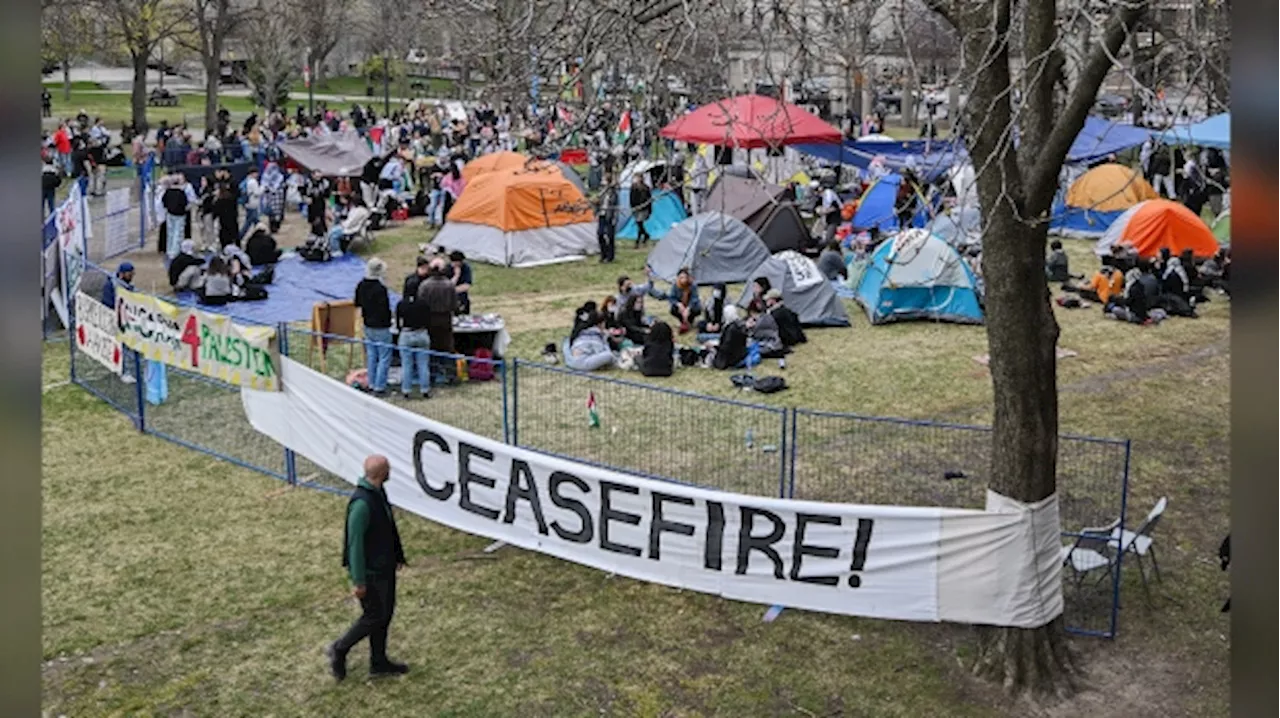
(804, 290)
(716, 247)
(761, 206)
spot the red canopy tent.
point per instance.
(750, 122)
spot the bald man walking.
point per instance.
(372, 554)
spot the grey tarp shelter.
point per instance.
(804, 290)
(338, 154)
(762, 207)
(716, 247)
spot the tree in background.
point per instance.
(321, 24)
(270, 39)
(64, 36)
(212, 22)
(139, 26)
(1016, 185)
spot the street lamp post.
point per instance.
(311, 86)
(386, 85)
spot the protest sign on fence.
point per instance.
(1000, 566)
(204, 342)
(96, 333)
(72, 240)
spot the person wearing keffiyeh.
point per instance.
(273, 195)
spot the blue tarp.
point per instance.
(1099, 138)
(1080, 221)
(876, 208)
(898, 156)
(296, 287)
(667, 212)
(931, 159)
(1213, 132)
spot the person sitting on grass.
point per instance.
(763, 329)
(684, 300)
(658, 356)
(713, 319)
(1213, 273)
(1107, 283)
(612, 324)
(1056, 267)
(588, 344)
(186, 270)
(789, 328)
(1175, 289)
(633, 320)
(759, 287)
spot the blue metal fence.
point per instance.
(656, 432)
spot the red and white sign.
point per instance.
(96, 334)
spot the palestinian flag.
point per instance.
(624, 127)
(593, 416)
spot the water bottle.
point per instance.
(751, 439)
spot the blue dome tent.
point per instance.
(667, 211)
(916, 275)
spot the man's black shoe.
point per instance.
(337, 662)
(389, 668)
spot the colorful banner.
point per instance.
(203, 342)
(1000, 566)
(96, 332)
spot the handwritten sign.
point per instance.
(96, 332)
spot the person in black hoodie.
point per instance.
(374, 303)
(631, 319)
(641, 200)
(713, 317)
(50, 180)
(261, 246)
(657, 358)
(186, 269)
(225, 208)
(175, 204)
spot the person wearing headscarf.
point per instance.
(374, 303)
(589, 343)
(273, 195)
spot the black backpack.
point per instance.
(789, 329)
(733, 346)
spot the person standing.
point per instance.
(640, 199)
(440, 298)
(374, 303)
(46, 103)
(698, 185)
(415, 341)
(251, 198)
(462, 280)
(175, 203)
(62, 143)
(371, 553)
(50, 179)
(607, 220)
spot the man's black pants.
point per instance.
(605, 235)
(379, 604)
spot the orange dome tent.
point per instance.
(520, 218)
(1158, 224)
(1097, 199)
(495, 162)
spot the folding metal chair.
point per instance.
(1092, 551)
(1140, 543)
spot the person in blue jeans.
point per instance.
(374, 303)
(412, 317)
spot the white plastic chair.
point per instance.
(1140, 543)
(1092, 551)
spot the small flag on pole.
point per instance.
(624, 126)
(593, 416)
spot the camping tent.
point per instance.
(337, 154)
(875, 208)
(916, 275)
(665, 209)
(716, 247)
(520, 218)
(750, 121)
(959, 227)
(1100, 138)
(1222, 228)
(1158, 224)
(1213, 132)
(508, 161)
(762, 207)
(639, 167)
(1097, 199)
(804, 290)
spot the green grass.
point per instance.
(114, 107)
(177, 584)
(354, 86)
(55, 87)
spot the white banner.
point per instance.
(118, 237)
(997, 567)
(803, 271)
(96, 333)
(203, 342)
(72, 241)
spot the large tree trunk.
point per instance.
(138, 93)
(212, 77)
(66, 79)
